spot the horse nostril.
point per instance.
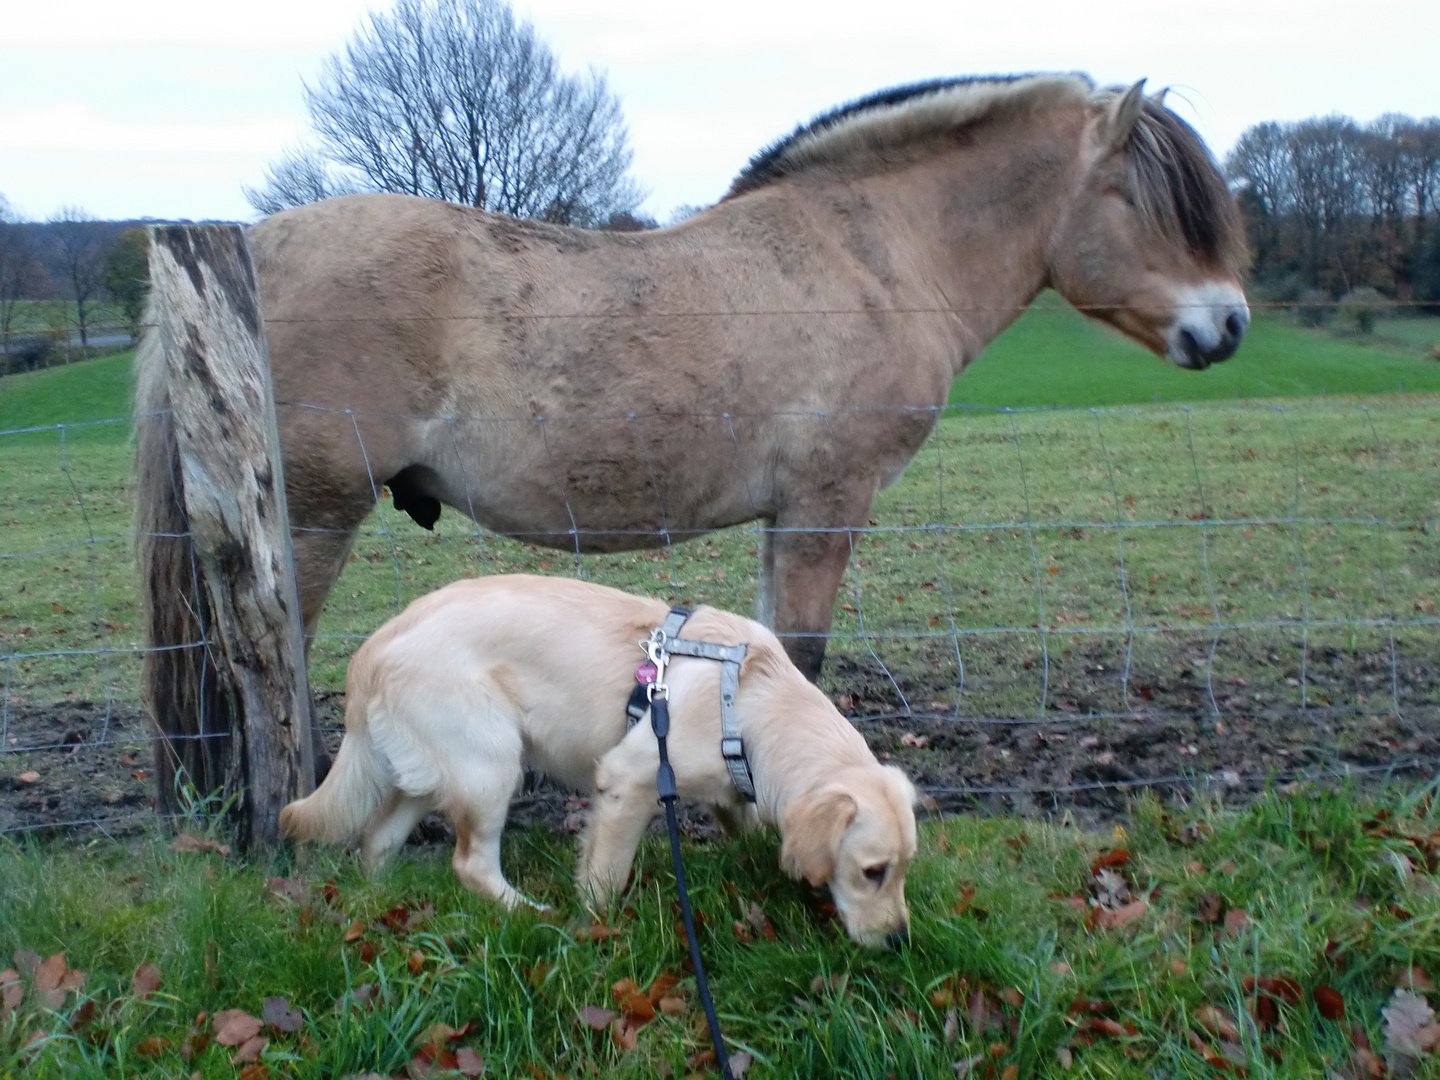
(1235, 326)
(898, 939)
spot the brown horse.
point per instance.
(779, 356)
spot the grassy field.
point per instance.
(1020, 551)
(1212, 942)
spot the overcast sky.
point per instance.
(164, 108)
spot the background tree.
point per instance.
(81, 256)
(300, 177)
(127, 273)
(455, 100)
(19, 269)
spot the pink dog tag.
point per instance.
(646, 673)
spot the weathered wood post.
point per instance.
(213, 367)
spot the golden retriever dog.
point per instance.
(451, 701)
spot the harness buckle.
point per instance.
(730, 749)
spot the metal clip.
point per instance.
(654, 648)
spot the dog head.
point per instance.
(857, 833)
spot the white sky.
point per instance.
(164, 108)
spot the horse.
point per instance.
(779, 356)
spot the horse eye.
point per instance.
(877, 873)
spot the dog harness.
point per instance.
(665, 642)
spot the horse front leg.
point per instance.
(806, 570)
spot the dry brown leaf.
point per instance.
(354, 932)
(468, 1062)
(154, 1046)
(760, 922)
(26, 960)
(234, 1027)
(1210, 907)
(596, 1018)
(597, 932)
(145, 981)
(198, 844)
(12, 991)
(1217, 1022)
(415, 962)
(672, 1006)
(1059, 967)
(1111, 890)
(1064, 1057)
(276, 1012)
(1237, 921)
(1410, 1030)
(964, 1065)
(249, 1050)
(29, 777)
(1178, 967)
(296, 889)
(249, 1072)
(1114, 919)
(623, 1035)
(952, 1025)
(1413, 978)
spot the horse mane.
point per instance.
(1175, 182)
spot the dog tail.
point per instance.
(353, 791)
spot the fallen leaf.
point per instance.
(47, 979)
(1115, 857)
(1114, 919)
(911, 739)
(1414, 978)
(1111, 890)
(1177, 966)
(1217, 1022)
(12, 990)
(154, 1046)
(249, 1050)
(276, 1012)
(187, 843)
(234, 1027)
(964, 1065)
(597, 932)
(354, 931)
(1410, 1028)
(596, 1018)
(758, 919)
(1329, 1002)
(1210, 907)
(739, 1062)
(1237, 921)
(27, 960)
(250, 1072)
(672, 1006)
(416, 962)
(145, 981)
(468, 1062)
(1064, 1057)
(952, 1026)
(29, 777)
(1059, 967)
(623, 1035)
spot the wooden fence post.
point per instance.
(216, 374)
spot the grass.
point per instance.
(1054, 354)
(1333, 890)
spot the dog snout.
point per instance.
(898, 939)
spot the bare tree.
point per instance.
(19, 269)
(456, 100)
(300, 177)
(81, 255)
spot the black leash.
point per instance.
(665, 783)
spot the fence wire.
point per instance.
(1051, 603)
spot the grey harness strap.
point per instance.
(732, 747)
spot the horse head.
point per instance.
(1151, 240)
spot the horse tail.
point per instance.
(354, 789)
(182, 687)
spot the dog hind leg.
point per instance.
(387, 831)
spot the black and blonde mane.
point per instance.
(1172, 176)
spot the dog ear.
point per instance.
(811, 830)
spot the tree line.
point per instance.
(74, 262)
(1335, 207)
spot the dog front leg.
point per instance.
(735, 819)
(622, 808)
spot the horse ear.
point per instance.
(811, 831)
(1158, 98)
(1120, 118)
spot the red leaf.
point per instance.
(1118, 857)
(1330, 1003)
(154, 1046)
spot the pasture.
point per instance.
(1052, 610)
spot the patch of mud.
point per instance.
(84, 766)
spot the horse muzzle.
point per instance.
(1211, 322)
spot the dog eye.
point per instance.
(877, 873)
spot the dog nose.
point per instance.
(898, 939)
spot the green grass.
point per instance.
(1054, 354)
(79, 393)
(1330, 893)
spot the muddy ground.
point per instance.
(89, 769)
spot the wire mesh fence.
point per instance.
(1051, 608)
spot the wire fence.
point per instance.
(1053, 607)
